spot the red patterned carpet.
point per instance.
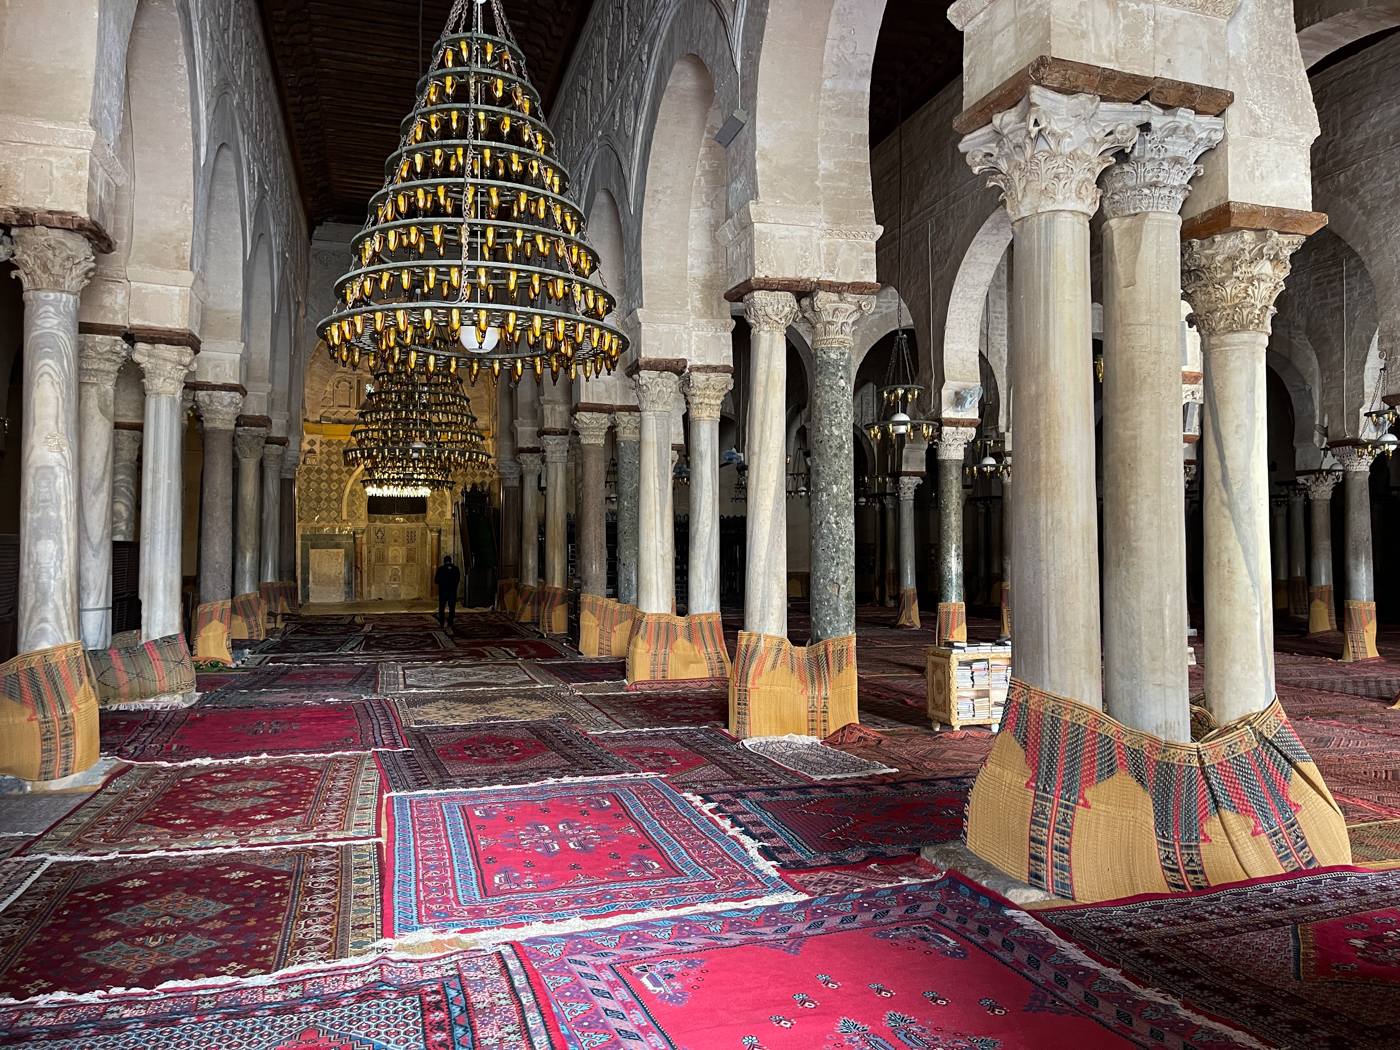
(371, 781)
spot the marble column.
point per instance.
(510, 517)
(99, 358)
(1007, 509)
(1322, 604)
(658, 395)
(1231, 281)
(1144, 502)
(952, 441)
(765, 567)
(628, 425)
(269, 559)
(1046, 154)
(907, 574)
(833, 316)
(1278, 547)
(891, 504)
(125, 479)
(529, 459)
(1360, 607)
(164, 368)
(1298, 600)
(248, 447)
(556, 537)
(53, 266)
(218, 409)
(591, 529)
(287, 546)
(705, 393)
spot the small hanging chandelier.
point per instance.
(415, 434)
(472, 251)
(899, 398)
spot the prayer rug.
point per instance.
(484, 859)
(825, 825)
(582, 671)
(511, 649)
(33, 813)
(314, 628)
(1300, 960)
(16, 873)
(463, 1001)
(854, 878)
(524, 705)
(401, 621)
(484, 625)
(394, 644)
(647, 710)
(132, 923)
(917, 753)
(311, 645)
(245, 698)
(342, 679)
(150, 809)
(406, 677)
(207, 683)
(894, 712)
(810, 757)
(696, 759)
(445, 758)
(1375, 845)
(195, 733)
(942, 964)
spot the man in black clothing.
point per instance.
(448, 579)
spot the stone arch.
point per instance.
(258, 326)
(1291, 357)
(220, 271)
(962, 332)
(605, 232)
(1325, 26)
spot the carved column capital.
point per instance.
(1320, 485)
(510, 473)
(100, 357)
(658, 392)
(592, 427)
(248, 443)
(272, 456)
(219, 408)
(770, 311)
(1355, 459)
(556, 448)
(1047, 151)
(952, 441)
(628, 426)
(704, 392)
(833, 317)
(1232, 279)
(1155, 175)
(289, 463)
(529, 463)
(48, 260)
(907, 485)
(1297, 493)
(127, 445)
(163, 367)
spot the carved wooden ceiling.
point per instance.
(347, 69)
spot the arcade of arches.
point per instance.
(970, 608)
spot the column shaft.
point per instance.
(1278, 549)
(125, 474)
(1321, 604)
(705, 391)
(99, 358)
(891, 584)
(1297, 555)
(1356, 464)
(510, 518)
(219, 410)
(556, 551)
(657, 394)
(907, 576)
(248, 446)
(592, 524)
(529, 516)
(287, 546)
(269, 560)
(629, 480)
(949, 457)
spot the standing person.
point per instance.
(448, 579)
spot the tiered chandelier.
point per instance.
(472, 254)
(415, 434)
(899, 398)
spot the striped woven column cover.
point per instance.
(1359, 632)
(908, 609)
(508, 596)
(213, 624)
(247, 617)
(952, 623)
(141, 672)
(778, 688)
(664, 647)
(605, 626)
(1322, 610)
(48, 714)
(528, 607)
(554, 610)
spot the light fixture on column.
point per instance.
(472, 253)
(994, 461)
(1379, 419)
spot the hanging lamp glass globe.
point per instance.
(472, 255)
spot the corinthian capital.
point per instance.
(219, 408)
(592, 427)
(1320, 484)
(1232, 279)
(529, 463)
(907, 485)
(628, 426)
(953, 440)
(128, 445)
(52, 260)
(833, 317)
(1046, 152)
(248, 442)
(1355, 459)
(100, 357)
(556, 447)
(658, 392)
(163, 367)
(770, 311)
(705, 393)
(272, 457)
(1155, 176)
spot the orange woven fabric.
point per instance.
(140, 672)
(778, 688)
(213, 623)
(554, 610)
(247, 617)
(663, 646)
(507, 596)
(604, 626)
(48, 714)
(952, 623)
(1359, 632)
(908, 609)
(1322, 610)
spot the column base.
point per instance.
(508, 596)
(604, 626)
(1298, 597)
(779, 688)
(48, 714)
(666, 647)
(1322, 610)
(213, 625)
(1150, 815)
(1359, 632)
(142, 672)
(528, 603)
(248, 619)
(952, 623)
(908, 609)
(554, 610)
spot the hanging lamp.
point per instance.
(472, 255)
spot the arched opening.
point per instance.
(221, 274)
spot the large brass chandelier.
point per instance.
(415, 434)
(472, 253)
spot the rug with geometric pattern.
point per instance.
(697, 759)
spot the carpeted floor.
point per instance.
(373, 781)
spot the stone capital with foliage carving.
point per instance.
(770, 311)
(248, 443)
(592, 427)
(1156, 173)
(628, 426)
(1355, 459)
(907, 485)
(529, 463)
(658, 392)
(1046, 152)
(219, 409)
(556, 447)
(704, 391)
(1232, 279)
(49, 260)
(100, 357)
(952, 441)
(1319, 485)
(163, 368)
(833, 317)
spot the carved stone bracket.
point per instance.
(1155, 175)
(704, 391)
(1232, 279)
